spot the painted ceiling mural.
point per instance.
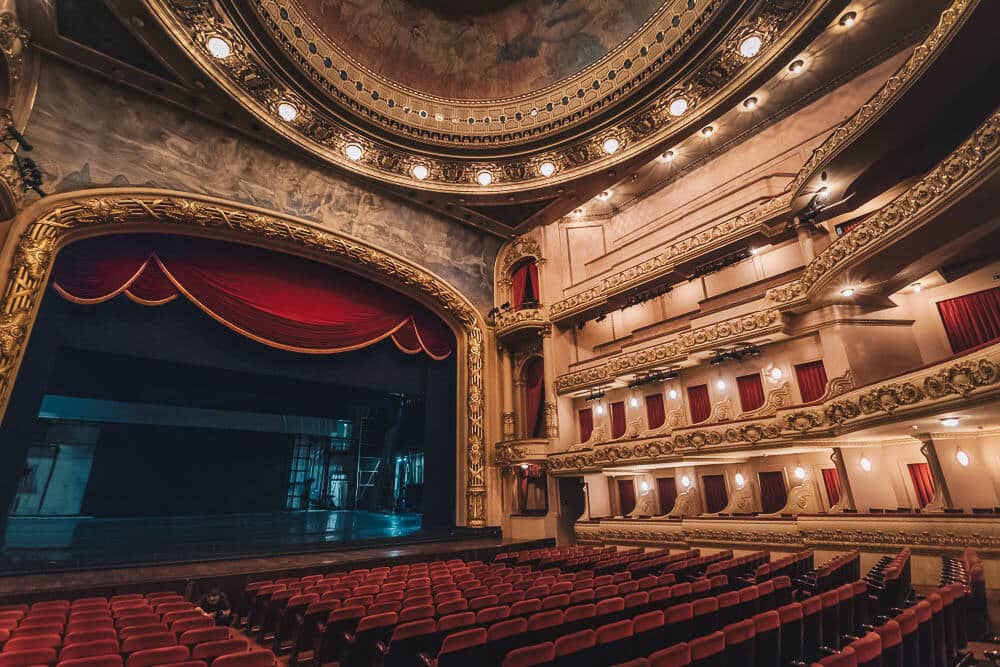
(445, 49)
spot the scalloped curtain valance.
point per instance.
(278, 299)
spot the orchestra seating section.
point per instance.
(555, 606)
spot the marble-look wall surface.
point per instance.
(89, 132)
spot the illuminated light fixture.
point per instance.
(606, 195)
(678, 106)
(750, 103)
(287, 111)
(686, 482)
(634, 402)
(962, 458)
(707, 131)
(643, 487)
(848, 19)
(599, 409)
(822, 192)
(524, 466)
(797, 66)
(484, 177)
(218, 47)
(420, 171)
(847, 291)
(547, 169)
(720, 384)
(353, 152)
(800, 473)
(668, 156)
(865, 463)
(916, 287)
(776, 373)
(672, 394)
(439, 117)
(754, 251)
(611, 145)
(750, 47)
(577, 212)
(950, 422)
(533, 112)
(740, 479)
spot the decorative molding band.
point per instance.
(515, 250)
(515, 452)
(512, 321)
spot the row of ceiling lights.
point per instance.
(750, 47)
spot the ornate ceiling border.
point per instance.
(41, 230)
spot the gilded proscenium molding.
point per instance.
(760, 323)
(634, 277)
(719, 74)
(16, 99)
(961, 381)
(41, 230)
(972, 162)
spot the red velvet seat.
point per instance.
(767, 639)
(147, 629)
(49, 640)
(530, 656)
(157, 656)
(576, 648)
(361, 645)
(407, 640)
(213, 649)
(482, 602)
(109, 660)
(492, 614)
(89, 649)
(545, 619)
(765, 593)
(678, 623)
(749, 602)
(511, 597)
(705, 612)
(909, 629)
(36, 630)
(142, 619)
(681, 593)
(891, 636)
(614, 642)
(678, 655)
(90, 627)
(201, 635)
(708, 651)
(845, 658)
(456, 621)
(579, 613)
(88, 615)
(739, 651)
(812, 627)
(148, 641)
(251, 659)
(25, 657)
(416, 612)
(610, 608)
(452, 607)
(463, 649)
(182, 625)
(526, 607)
(790, 618)
(647, 629)
(580, 596)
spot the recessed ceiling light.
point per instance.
(287, 111)
(847, 291)
(678, 106)
(578, 212)
(353, 152)
(547, 168)
(916, 287)
(606, 195)
(848, 19)
(950, 422)
(797, 66)
(484, 177)
(669, 156)
(611, 145)
(751, 46)
(707, 131)
(533, 112)
(750, 103)
(218, 47)
(420, 172)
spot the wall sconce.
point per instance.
(643, 487)
(740, 480)
(962, 458)
(672, 394)
(634, 402)
(686, 482)
(800, 473)
(599, 408)
(524, 466)
(775, 373)
(865, 463)
(720, 384)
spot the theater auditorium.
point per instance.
(499, 333)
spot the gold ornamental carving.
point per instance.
(42, 230)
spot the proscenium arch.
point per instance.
(41, 230)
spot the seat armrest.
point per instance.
(382, 648)
(426, 660)
(828, 650)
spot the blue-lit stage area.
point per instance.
(140, 434)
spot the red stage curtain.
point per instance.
(716, 497)
(626, 495)
(586, 424)
(751, 391)
(773, 493)
(812, 380)
(524, 286)
(699, 403)
(923, 482)
(655, 413)
(280, 300)
(972, 319)
(667, 488)
(617, 419)
(534, 398)
(831, 479)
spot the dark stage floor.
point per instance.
(37, 543)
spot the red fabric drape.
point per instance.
(667, 488)
(716, 497)
(617, 419)
(524, 286)
(586, 424)
(280, 300)
(751, 391)
(699, 403)
(531, 496)
(831, 480)
(534, 398)
(626, 495)
(923, 483)
(773, 494)
(655, 413)
(972, 319)
(812, 380)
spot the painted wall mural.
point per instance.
(88, 132)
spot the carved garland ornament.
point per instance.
(61, 219)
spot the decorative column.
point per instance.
(846, 501)
(507, 384)
(548, 370)
(942, 497)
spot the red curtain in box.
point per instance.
(751, 391)
(531, 490)
(773, 493)
(618, 419)
(699, 403)
(972, 319)
(716, 496)
(812, 380)
(831, 480)
(656, 415)
(586, 417)
(534, 398)
(277, 299)
(524, 286)
(626, 495)
(666, 487)
(923, 482)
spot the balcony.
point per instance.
(513, 326)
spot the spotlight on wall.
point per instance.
(678, 106)
(800, 473)
(740, 479)
(776, 374)
(634, 402)
(848, 19)
(547, 168)
(865, 463)
(599, 408)
(750, 103)
(797, 66)
(524, 466)
(686, 482)
(720, 384)
(950, 422)
(643, 487)
(218, 47)
(611, 145)
(916, 287)
(847, 291)
(962, 458)
(672, 394)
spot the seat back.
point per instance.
(678, 655)
(708, 651)
(251, 659)
(200, 635)
(109, 660)
(529, 656)
(157, 656)
(89, 649)
(739, 637)
(463, 648)
(678, 623)
(25, 657)
(767, 639)
(614, 642)
(577, 648)
(790, 616)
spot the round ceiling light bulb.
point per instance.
(800, 473)
(672, 394)
(686, 482)
(218, 47)
(353, 152)
(288, 111)
(865, 463)
(547, 169)
(797, 66)
(707, 131)
(678, 106)
(420, 171)
(776, 373)
(950, 422)
(484, 177)
(740, 479)
(847, 291)
(751, 46)
(669, 156)
(750, 103)
(606, 195)
(611, 145)
(962, 458)
(848, 19)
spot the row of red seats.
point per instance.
(794, 566)
(739, 567)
